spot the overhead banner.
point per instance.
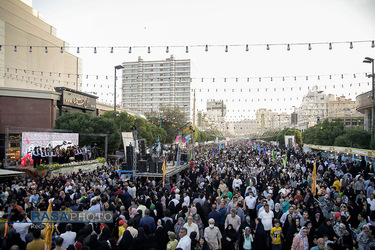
(363, 152)
(30, 140)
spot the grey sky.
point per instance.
(193, 22)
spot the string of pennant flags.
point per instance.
(206, 47)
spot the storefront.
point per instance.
(75, 101)
(29, 110)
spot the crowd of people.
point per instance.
(240, 196)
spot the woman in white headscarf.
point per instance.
(277, 212)
(300, 241)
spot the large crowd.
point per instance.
(241, 196)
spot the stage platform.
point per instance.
(170, 171)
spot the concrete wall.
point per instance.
(26, 112)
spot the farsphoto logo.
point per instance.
(71, 217)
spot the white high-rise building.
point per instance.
(146, 85)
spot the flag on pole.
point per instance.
(313, 189)
(164, 171)
(49, 229)
(284, 160)
(273, 155)
(213, 151)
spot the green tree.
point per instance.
(84, 123)
(289, 131)
(354, 138)
(324, 133)
(125, 122)
(169, 118)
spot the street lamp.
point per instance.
(114, 95)
(371, 60)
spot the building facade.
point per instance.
(314, 107)
(31, 56)
(33, 63)
(317, 106)
(147, 85)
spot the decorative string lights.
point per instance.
(268, 46)
(202, 79)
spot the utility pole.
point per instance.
(194, 109)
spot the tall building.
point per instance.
(146, 85)
(266, 120)
(31, 56)
(317, 106)
(314, 107)
(243, 128)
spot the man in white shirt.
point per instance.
(69, 236)
(270, 202)
(22, 226)
(185, 241)
(191, 227)
(237, 183)
(371, 201)
(251, 202)
(186, 199)
(212, 235)
(266, 216)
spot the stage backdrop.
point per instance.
(47, 139)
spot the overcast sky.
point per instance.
(218, 22)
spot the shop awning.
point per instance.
(10, 173)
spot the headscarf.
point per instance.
(193, 210)
(152, 207)
(277, 209)
(247, 232)
(305, 241)
(367, 226)
(177, 226)
(133, 212)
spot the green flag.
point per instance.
(273, 155)
(284, 160)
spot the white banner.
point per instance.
(30, 140)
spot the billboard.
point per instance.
(30, 140)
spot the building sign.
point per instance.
(78, 100)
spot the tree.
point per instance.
(354, 138)
(289, 131)
(125, 122)
(84, 123)
(170, 119)
(324, 133)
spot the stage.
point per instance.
(171, 170)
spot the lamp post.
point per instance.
(371, 60)
(114, 94)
